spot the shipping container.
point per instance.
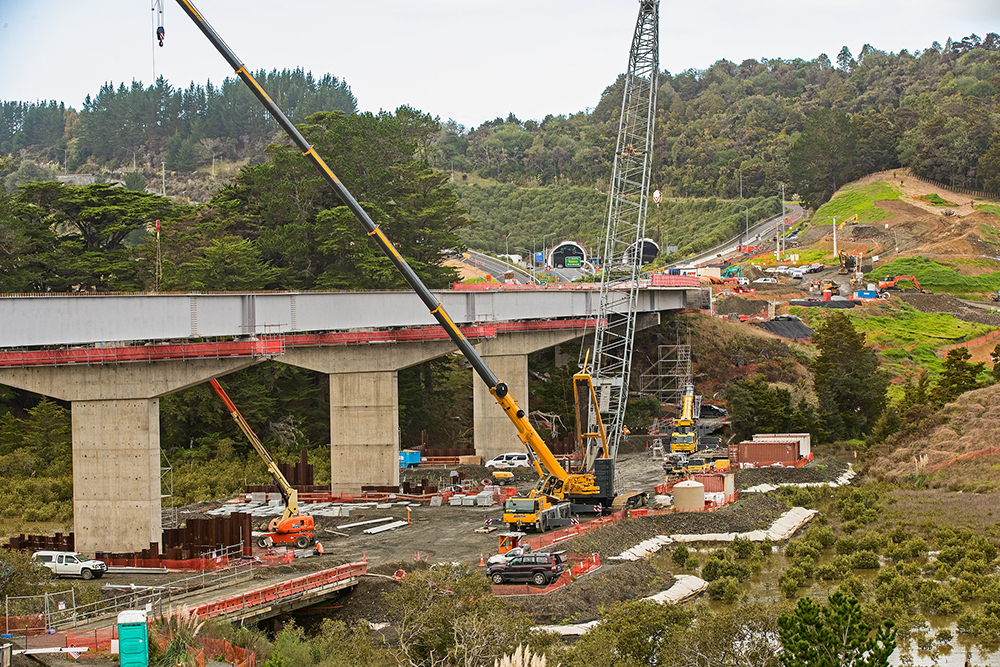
(804, 440)
(866, 294)
(718, 483)
(761, 453)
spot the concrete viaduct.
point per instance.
(113, 356)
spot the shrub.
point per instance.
(846, 545)
(743, 548)
(726, 589)
(852, 585)
(865, 560)
(823, 535)
(790, 581)
(692, 563)
(680, 555)
(870, 542)
(718, 566)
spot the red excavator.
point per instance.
(292, 527)
(890, 282)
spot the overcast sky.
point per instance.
(471, 60)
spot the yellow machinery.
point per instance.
(596, 487)
(292, 527)
(684, 437)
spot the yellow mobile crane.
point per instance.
(293, 526)
(596, 487)
(684, 437)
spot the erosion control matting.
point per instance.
(734, 305)
(792, 329)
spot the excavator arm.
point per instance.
(525, 431)
(288, 492)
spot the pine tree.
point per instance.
(833, 635)
(848, 380)
(959, 376)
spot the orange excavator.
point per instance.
(292, 527)
(890, 282)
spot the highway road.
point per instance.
(761, 232)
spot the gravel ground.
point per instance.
(819, 470)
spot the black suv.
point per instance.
(538, 568)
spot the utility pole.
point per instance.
(834, 235)
(741, 182)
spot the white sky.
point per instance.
(471, 60)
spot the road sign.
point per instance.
(539, 257)
(656, 196)
(572, 262)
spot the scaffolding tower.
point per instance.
(667, 378)
(625, 230)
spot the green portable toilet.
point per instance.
(133, 639)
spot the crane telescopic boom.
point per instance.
(525, 431)
(288, 492)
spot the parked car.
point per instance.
(510, 460)
(70, 564)
(522, 550)
(769, 281)
(796, 273)
(815, 267)
(712, 412)
(538, 568)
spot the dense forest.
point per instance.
(724, 131)
(182, 127)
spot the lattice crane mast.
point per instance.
(625, 232)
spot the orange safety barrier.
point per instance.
(95, 640)
(106, 355)
(570, 532)
(574, 572)
(269, 594)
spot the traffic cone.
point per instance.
(482, 563)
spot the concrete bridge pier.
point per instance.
(116, 441)
(364, 406)
(507, 356)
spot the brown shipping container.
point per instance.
(765, 453)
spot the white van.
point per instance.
(70, 564)
(511, 460)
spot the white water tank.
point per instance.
(689, 495)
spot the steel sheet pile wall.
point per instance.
(299, 474)
(58, 542)
(199, 535)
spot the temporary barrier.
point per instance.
(268, 594)
(261, 347)
(580, 565)
(570, 532)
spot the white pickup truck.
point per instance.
(70, 564)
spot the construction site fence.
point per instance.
(285, 589)
(74, 614)
(569, 532)
(585, 565)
